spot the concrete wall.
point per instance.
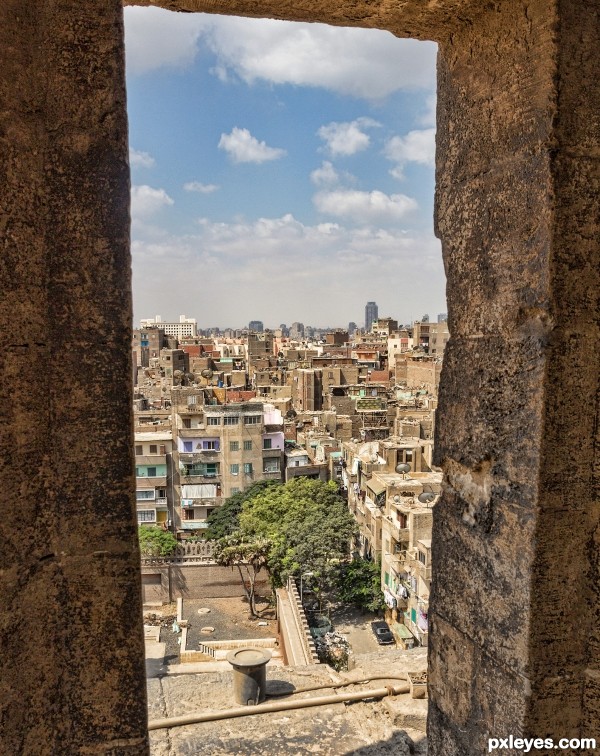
(164, 583)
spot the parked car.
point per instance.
(382, 632)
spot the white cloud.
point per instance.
(139, 159)
(365, 63)
(242, 147)
(346, 138)
(416, 147)
(155, 38)
(197, 186)
(326, 175)
(364, 207)
(145, 201)
(267, 266)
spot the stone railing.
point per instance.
(301, 622)
(186, 553)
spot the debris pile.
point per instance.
(159, 620)
(333, 649)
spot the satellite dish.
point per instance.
(397, 499)
(402, 468)
(177, 373)
(207, 373)
(426, 498)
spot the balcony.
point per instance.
(198, 455)
(272, 474)
(399, 532)
(195, 478)
(190, 432)
(151, 459)
(145, 482)
(189, 503)
(194, 524)
(161, 501)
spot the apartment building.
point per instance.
(406, 557)
(154, 477)
(222, 449)
(186, 327)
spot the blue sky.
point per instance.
(280, 172)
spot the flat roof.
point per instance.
(157, 436)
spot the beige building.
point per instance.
(406, 558)
(221, 449)
(154, 477)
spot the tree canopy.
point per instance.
(224, 520)
(156, 541)
(359, 583)
(307, 524)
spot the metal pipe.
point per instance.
(344, 684)
(304, 703)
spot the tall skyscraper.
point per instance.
(256, 325)
(371, 314)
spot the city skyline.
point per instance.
(272, 181)
(272, 327)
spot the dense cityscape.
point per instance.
(217, 411)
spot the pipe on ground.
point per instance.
(303, 703)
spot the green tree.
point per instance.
(249, 555)
(307, 524)
(224, 520)
(359, 583)
(156, 541)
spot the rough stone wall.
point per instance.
(514, 641)
(404, 18)
(514, 609)
(72, 663)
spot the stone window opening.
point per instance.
(517, 199)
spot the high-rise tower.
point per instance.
(371, 314)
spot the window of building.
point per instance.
(153, 449)
(162, 449)
(235, 490)
(231, 420)
(186, 422)
(252, 419)
(161, 493)
(210, 470)
(234, 446)
(234, 469)
(422, 557)
(191, 399)
(213, 421)
(144, 495)
(247, 468)
(188, 446)
(210, 445)
(146, 515)
(270, 465)
(188, 514)
(247, 445)
(267, 443)
(152, 472)
(139, 450)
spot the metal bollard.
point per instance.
(249, 674)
